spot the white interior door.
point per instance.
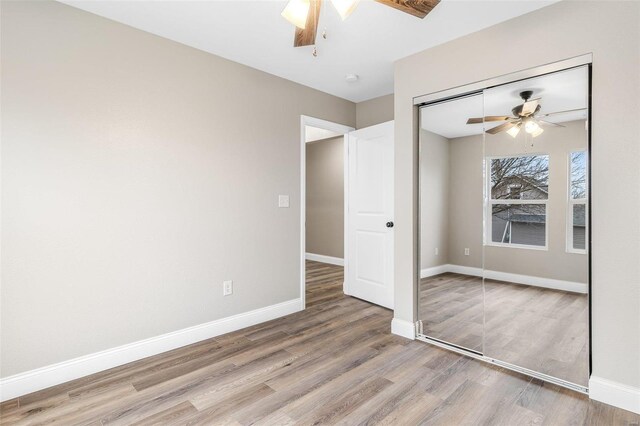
(369, 225)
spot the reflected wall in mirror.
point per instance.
(450, 298)
(536, 266)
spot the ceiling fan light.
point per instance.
(513, 132)
(531, 126)
(345, 7)
(537, 132)
(296, 12)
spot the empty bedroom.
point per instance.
(294, 212)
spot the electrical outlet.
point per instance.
(227, 288)
(466, 252)
(437, 251)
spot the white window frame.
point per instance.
(577, 201)
(489, 203)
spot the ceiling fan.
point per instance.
(304, 14)
(524, 115)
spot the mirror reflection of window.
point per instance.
(577, 218)
(516, 182)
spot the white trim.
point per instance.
(456, 269)
(323, 124)
(325, 259)
(614, 393)
(466, 270)
(571, 286)
(434, 270)
(403, 328)
(517, 246)
(55, 374)
(345, 283)
(319, 135)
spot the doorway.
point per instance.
(323, 207)
(347, 212)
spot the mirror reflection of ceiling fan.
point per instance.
(525, 116)
(304, 14)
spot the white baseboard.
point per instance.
(614, 393)
(325, 259)
(51, 375)
(441, 269)
(403, 328)
(435, 270)
(538, 281)
(508, 277)
(466, 270)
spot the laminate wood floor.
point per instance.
(334, 363)
(537, 328)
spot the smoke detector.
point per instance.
(351, 78)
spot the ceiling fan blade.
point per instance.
(307, 36)
(488, 118)
(549, 122)
(529, 107)
(417, 8)
(562, 112)
(501, 128)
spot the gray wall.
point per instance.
(459, 224)
(137, 175)
(465, 224)
(325, 197)
(374, 111)
(610, 31)
(555, 262)
(465, 203)
(434, 192)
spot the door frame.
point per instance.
(334, 127)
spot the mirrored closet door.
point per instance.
(451, 295)
(504, 225)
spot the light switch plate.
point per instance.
(227, 288)
(283, 201)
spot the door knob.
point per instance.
(389, 224)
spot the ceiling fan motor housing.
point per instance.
(526, 95)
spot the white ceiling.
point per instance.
(312, 134)
(367, 43)
(561, 91)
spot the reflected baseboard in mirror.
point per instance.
(504, 225)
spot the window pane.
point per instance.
(522, 224)
(578, 175)
(520, 178)
(579, 226)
